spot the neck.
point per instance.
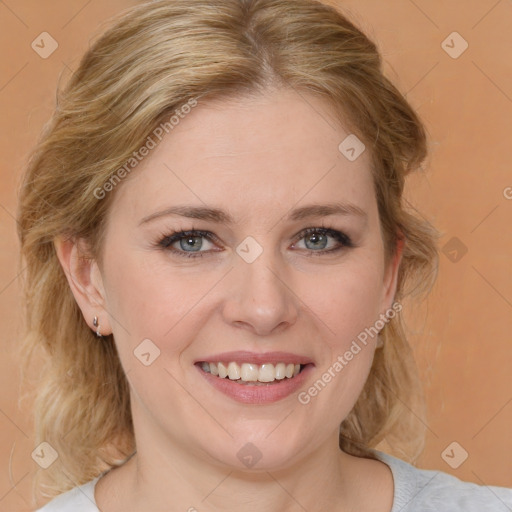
(172, 478)
(166, 473)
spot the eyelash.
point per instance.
(166, 241)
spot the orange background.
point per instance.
(461, 334)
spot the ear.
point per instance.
(391, 274)
(85, 281)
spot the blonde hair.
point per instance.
(154, 59)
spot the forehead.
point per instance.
(249, 155)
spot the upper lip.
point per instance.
(243, 356)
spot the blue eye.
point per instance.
(191, 239)
(191, 242)
(319, 238)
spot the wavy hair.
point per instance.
(152, 60)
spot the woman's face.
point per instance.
(253, 290)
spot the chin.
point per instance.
(257, 450)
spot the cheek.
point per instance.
(347, 300)
(145, 299)
(349, 311)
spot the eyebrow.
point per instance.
(221, 216)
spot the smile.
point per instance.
(255, 378)
(251, 373)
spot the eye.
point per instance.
(189, 242)
(317, 240)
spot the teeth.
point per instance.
(233, 371)
(280, 371)
(267, 373)
(223, 371)
(213, 369)
(248, 372)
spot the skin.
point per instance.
(258, 158)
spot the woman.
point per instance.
(216, 255)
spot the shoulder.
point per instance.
(78, 499)
(423, 490)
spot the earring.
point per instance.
(97, 325)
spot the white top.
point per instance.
(416, 490)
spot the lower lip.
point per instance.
(253, 394)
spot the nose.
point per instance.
(258, 297)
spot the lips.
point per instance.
(256, 358)
(255, 378)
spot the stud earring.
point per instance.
(96, 324)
